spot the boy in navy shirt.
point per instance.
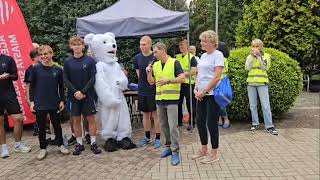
(47, 97)
(146, 94)
(79, 77)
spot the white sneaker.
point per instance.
(22, 148)
(64, 150)
(42, 154)
(5, 151)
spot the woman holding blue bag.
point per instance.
(210, 67)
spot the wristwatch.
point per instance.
(205, 92)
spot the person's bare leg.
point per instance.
(92, 125)
(146, 121)
(220, 122)
(71, 124)
(53, 134)
(85, 125)
(204, 148)
(77, 126)
(2, 131)
(18, 126)
(226, 120)
(214, 153)
(156, 121)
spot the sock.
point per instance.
(157, 135)
(93, 139)
(148, 134)
(17, 144)
(53, 136)
(73, 135)
(79, 140)
(86, 132)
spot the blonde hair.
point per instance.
(211, 36)
(75, 39)
(146, 38)
(160, 46)
(257, 42)
(45, 48)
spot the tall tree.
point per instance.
(53, 21)
(289, 26)
(202, 13)
(174, 5)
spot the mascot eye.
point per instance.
(104, 42)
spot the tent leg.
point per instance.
(190, 86)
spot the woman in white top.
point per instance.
(210, 67)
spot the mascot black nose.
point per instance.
(113, 45)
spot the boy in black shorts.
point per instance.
(146, 94)
(79, 77)
(9, 104)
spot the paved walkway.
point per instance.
(293, 154)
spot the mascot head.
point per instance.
(102, 46)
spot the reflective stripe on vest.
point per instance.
(256, 74)
(168, 91)
(185, 65)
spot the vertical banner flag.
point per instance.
(15, 41)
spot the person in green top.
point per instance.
(257, 65)
(223, 115)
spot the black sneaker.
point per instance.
(189, 128)
(272, 131)
(87, 138)
(72, 140)
(77, 150)
(254, 127)
(35, 130)
(95, 149)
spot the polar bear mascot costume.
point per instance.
(110, 83)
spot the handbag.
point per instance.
(223, 92)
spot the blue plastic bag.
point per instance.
(223, 93)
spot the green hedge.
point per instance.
(285, 83)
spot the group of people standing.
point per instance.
(164, 82)
(163, 85)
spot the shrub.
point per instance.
(289, 26)
(285, 78)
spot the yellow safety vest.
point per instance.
(168, 91)
(225, 69)
(256, 74)
(185, 65)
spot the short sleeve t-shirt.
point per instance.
(206, 66)
(140, 63)
(7, 65)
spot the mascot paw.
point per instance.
(126, 143)
(110, 145)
